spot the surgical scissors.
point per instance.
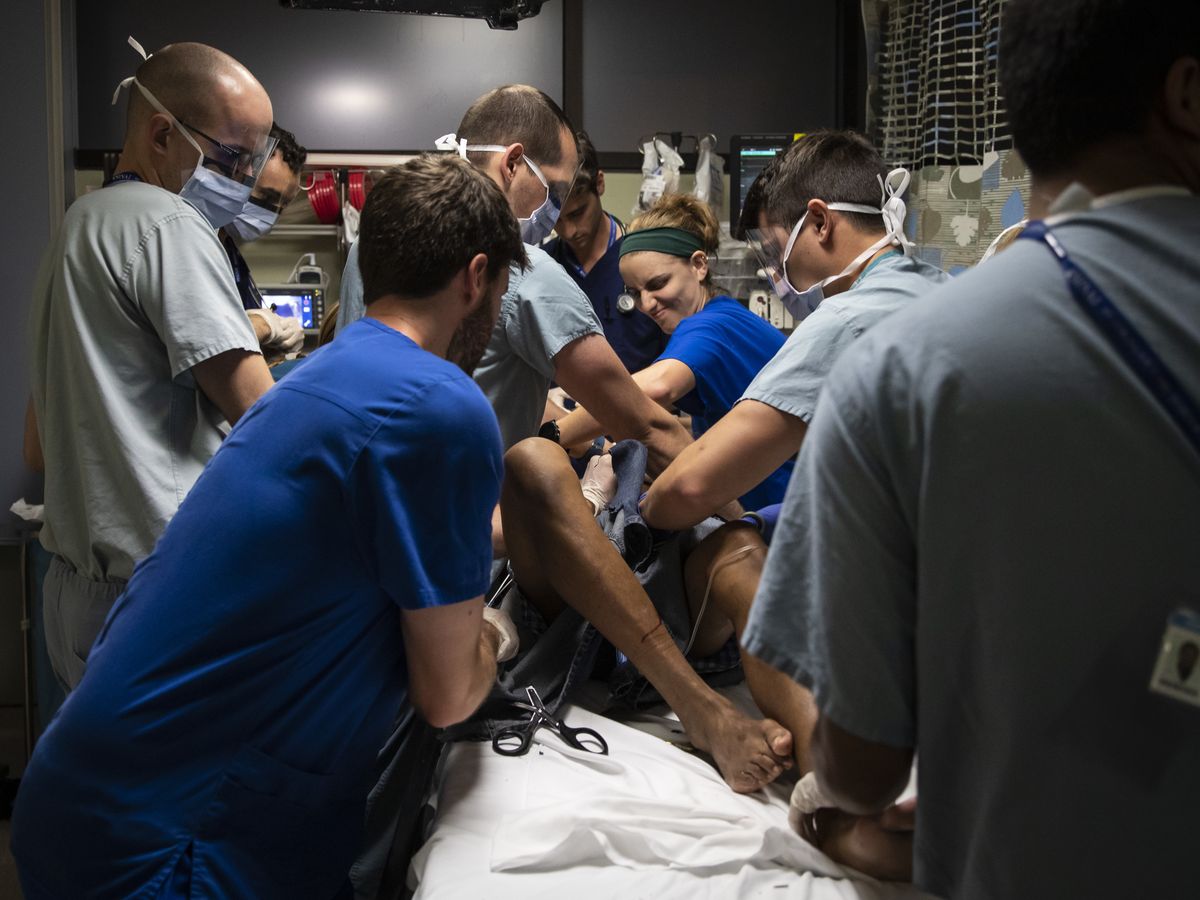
(516, 740)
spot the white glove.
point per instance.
(599, 482)
(807, 798)
(510, 642)
(284, 334)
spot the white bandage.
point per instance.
(807, 796)
(284, 334)
(510, 643)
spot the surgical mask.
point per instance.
(219, 198)
(800, 304)
(252, 222)
(538, 225)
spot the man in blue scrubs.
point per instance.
(223, 738)
(588, 246)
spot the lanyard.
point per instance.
(120, 177)
(1125, 338)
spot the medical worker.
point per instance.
(717, 346)
(140, 346)
(276, 187)
(588, 246)
(547, 331)
(987, 557)
(222, 741)
(842, 264)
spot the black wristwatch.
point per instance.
(550, 431)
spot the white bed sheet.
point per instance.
(647, 821)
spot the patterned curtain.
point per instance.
(934, 106)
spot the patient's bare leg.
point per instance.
(559, 553)
(880, 845)
(732, 558)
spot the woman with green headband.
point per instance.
(716, 345)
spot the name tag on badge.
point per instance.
(1177, 672)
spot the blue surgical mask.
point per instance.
(252, 223)
(536, 227)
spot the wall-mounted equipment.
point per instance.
(749, 154)
(501, 14)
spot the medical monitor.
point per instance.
(749, 154)
(305, 302)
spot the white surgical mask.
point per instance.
(538, 225)
(252, 222)
(801, 303)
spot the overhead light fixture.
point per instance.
(501, 14)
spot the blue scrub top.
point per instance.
(725, 345)
(633, 335)
(226, 730)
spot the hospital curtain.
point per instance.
(934, 106)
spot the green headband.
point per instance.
(672, 241)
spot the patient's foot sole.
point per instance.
(749, 753)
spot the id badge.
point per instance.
(1177, 672)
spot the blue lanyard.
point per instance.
(120, 177)
(1125, 339)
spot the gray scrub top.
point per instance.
(134, 291)
(791, 382)
(988, 525)
(542, 311)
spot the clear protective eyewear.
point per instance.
(770, 258)
(241, 161)
(557, 192)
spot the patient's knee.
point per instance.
(536, 468)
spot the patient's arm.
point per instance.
(740, 451)
(590, 372)
(451, 654)
(664, 382)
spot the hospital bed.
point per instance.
(649, 820)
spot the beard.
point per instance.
(469, 342)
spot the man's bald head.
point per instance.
(201, 85)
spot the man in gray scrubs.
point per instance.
(140, 344)
(988, 548)
(547, 330)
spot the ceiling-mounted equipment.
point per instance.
(502, 14)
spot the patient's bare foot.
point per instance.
(749, 753)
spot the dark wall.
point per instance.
(339, 80)
(707, 65)
(23, 234)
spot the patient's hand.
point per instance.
(879, 846)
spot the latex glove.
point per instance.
(599, 482)
(764, 520)
(510, 642)
(283, 335)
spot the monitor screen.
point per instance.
(749, 155)
(294, 302)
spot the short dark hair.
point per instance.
(425, 220)
(1071, 79)
(293, 154)
(588, 176)
(755, 203)
(517, 113)
(834, 166)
